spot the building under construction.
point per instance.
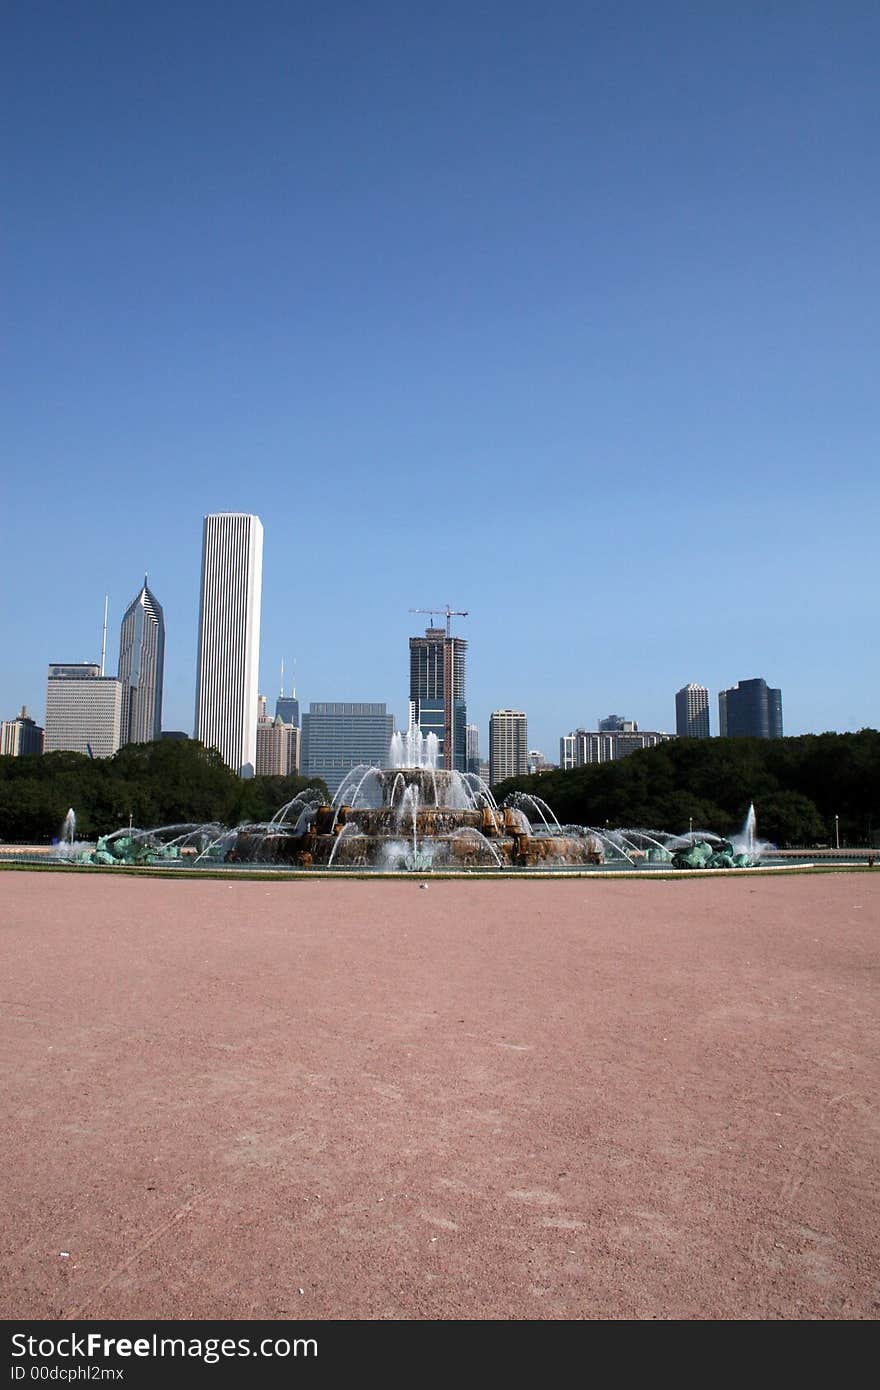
(437, 689)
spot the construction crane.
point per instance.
(450, 614)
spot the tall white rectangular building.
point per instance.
(83, 710)
(508, 745)
(229, 638)
(692, 711)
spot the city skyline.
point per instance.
(150, 633)
(232, 566)
(365, 265)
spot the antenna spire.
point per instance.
(104, 633)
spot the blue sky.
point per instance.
(566, 315)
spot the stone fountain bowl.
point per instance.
(461, 846)
(435, 787)
(430, 820)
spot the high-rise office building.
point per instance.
(21, 736)
(585, 746)
(287, 708)
(437, 693)
(338, 736)
(83, 710)
(692, 711)
(508, 745)
(142, 668)
(277, 748)
(750, 709)
(229, 638)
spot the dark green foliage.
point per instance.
(259, 798)
(151, 783)
(798, 785)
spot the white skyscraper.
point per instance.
(692, 711)
(508, 745)
(229, 638)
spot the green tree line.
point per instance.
(150, 783)
(798, 786)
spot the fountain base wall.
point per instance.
(439, 836)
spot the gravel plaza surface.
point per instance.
(480, 1099)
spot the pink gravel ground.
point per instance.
(504, 1099)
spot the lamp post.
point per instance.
(691, 828)
(836, 831)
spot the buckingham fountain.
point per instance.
(415, 816)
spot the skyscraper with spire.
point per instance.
(287, 706)
(142, 668)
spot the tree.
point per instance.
(797, 785)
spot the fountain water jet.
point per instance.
(521, 799)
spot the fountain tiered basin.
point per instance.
(412, 818)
